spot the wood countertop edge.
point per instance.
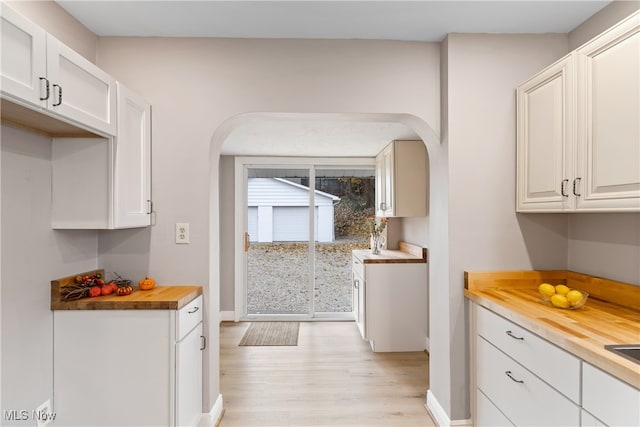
(154, 299)
(601, 358)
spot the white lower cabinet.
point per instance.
(487, 414)
(524, 398)
(588, 420)
(614, 402)
(128, 367)
(392, 304)
(527, 380)
(521, 379)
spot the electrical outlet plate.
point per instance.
(43, 414)
(182, 232)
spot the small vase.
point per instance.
(375, 244)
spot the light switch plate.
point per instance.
(182, 233)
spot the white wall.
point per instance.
(227, 221)
(196, 85)
(484, 231)
(32, 255)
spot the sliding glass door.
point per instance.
(300, 223)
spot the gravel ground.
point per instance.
(277, 277)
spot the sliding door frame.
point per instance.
(241, 165)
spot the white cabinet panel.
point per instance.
(579, 128)
(588, 420)
(609, 119)
(614, 402)
(80, 90)
(521, 396)
(132, 161)
(552, 364)
(128, 369)
(392, 304)
(401, 180)
(43, 73)
(487, 414)
(23, 58)
(189, 378)
(546, 138)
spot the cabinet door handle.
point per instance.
(575, 185)
(564, 181)
(356, 283)
(196, 308)
(150, 211)
(55, 104)
(515, 337)
(204, 342)
(46, 88)
(383, 206)
(510, 375)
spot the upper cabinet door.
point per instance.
(132, 161)
(609, 120)
(545, 139)
(23, 74)
(80, 91)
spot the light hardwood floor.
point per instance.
(332, 378)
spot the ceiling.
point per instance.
(385, 20)
(388, 20)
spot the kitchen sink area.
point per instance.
(628, 351)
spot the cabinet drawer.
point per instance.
(188, 317)
(615, 402)
(522, 397)
(487, 415)
(554, 365)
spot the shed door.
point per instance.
(291, 223)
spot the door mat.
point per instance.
(271, 333)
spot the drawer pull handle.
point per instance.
(510, 375)
(575, 184)
(194, 310)
(204, 342)
(46, 86)
(515, 337)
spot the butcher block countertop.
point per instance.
(406, 253)
(611, 315)
(158, 298)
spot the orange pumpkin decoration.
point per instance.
(147, 283)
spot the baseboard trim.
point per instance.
(440, 416)
(227, 316)
(213, 417)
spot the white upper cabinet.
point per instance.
(80, 90)
(546, 138)
(114, 173)
(23, 58)
(401, 180)
(608, 167)
(132, 161)
(43, 73)
(578, 141)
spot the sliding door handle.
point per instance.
(246, 241)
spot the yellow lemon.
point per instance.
(559, 301)
(574, 297)
(547, 290)
(562, 289)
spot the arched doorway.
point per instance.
(243, 124)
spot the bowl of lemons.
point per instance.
(561, 296)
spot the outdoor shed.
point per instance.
(278, 211)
